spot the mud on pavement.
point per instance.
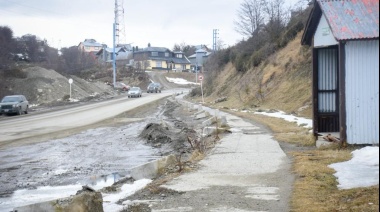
(164, 126)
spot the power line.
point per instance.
(36, 8)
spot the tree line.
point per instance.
(29, 48)
(267, 26)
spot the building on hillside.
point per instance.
(105, 55)
(90, 46)
(159, 58)
(198, 59)
(345, 39)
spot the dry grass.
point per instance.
(316, 187)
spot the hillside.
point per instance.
(283, 82)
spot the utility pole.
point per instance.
(215, 33)
(114, 46)
(118, 33)
(120, 24)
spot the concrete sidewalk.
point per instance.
(247, 171)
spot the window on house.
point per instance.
(166, 54)
(179, 55)
(159, 64)
(97, 48)
(154, 54)
(87, 47)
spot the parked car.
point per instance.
(15, 104)
(122, 86)
(154, 87)
(134, 92)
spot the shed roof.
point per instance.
(348, 19)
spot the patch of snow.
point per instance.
(361, 171)
(109, 200)
(304, 122)
(181, 81)
(73, 100)
(60, 171)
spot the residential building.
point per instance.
(160, 58)
(199, 58)
(90, 46)
(105, 55)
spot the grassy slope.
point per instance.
(281, 82)
(286, 84)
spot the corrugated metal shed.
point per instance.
(362, 92)
(352, 19)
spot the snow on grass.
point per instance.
(361, 171)
(304, 122)
(181, 81)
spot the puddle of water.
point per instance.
(42, 194)
(48, 193)
(66, 164)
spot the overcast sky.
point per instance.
(162, 23)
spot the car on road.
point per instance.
(121, 86)
(154, 87)
(14, 104)
(134, 92)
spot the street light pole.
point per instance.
(114, 56)
(196, 72)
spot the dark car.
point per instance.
(15, 104)
(154, 87)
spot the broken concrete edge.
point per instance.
(208, 131)
(152, 169)
(82, 201)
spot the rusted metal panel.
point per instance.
(362, 91)
(352, 19)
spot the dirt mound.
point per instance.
(156, 134)
(173, 131)
(43, 86)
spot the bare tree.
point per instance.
(71, 60)
(31, 46)
(6, 43)
(185, 48)
(277, 17)
(250, 17)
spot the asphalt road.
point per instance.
(37, 125)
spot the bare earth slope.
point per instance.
(282, 81)
(43, 86)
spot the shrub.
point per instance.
(195, 92)
(66, 97)
(257, 58)
(14, 73)
(240, 63)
